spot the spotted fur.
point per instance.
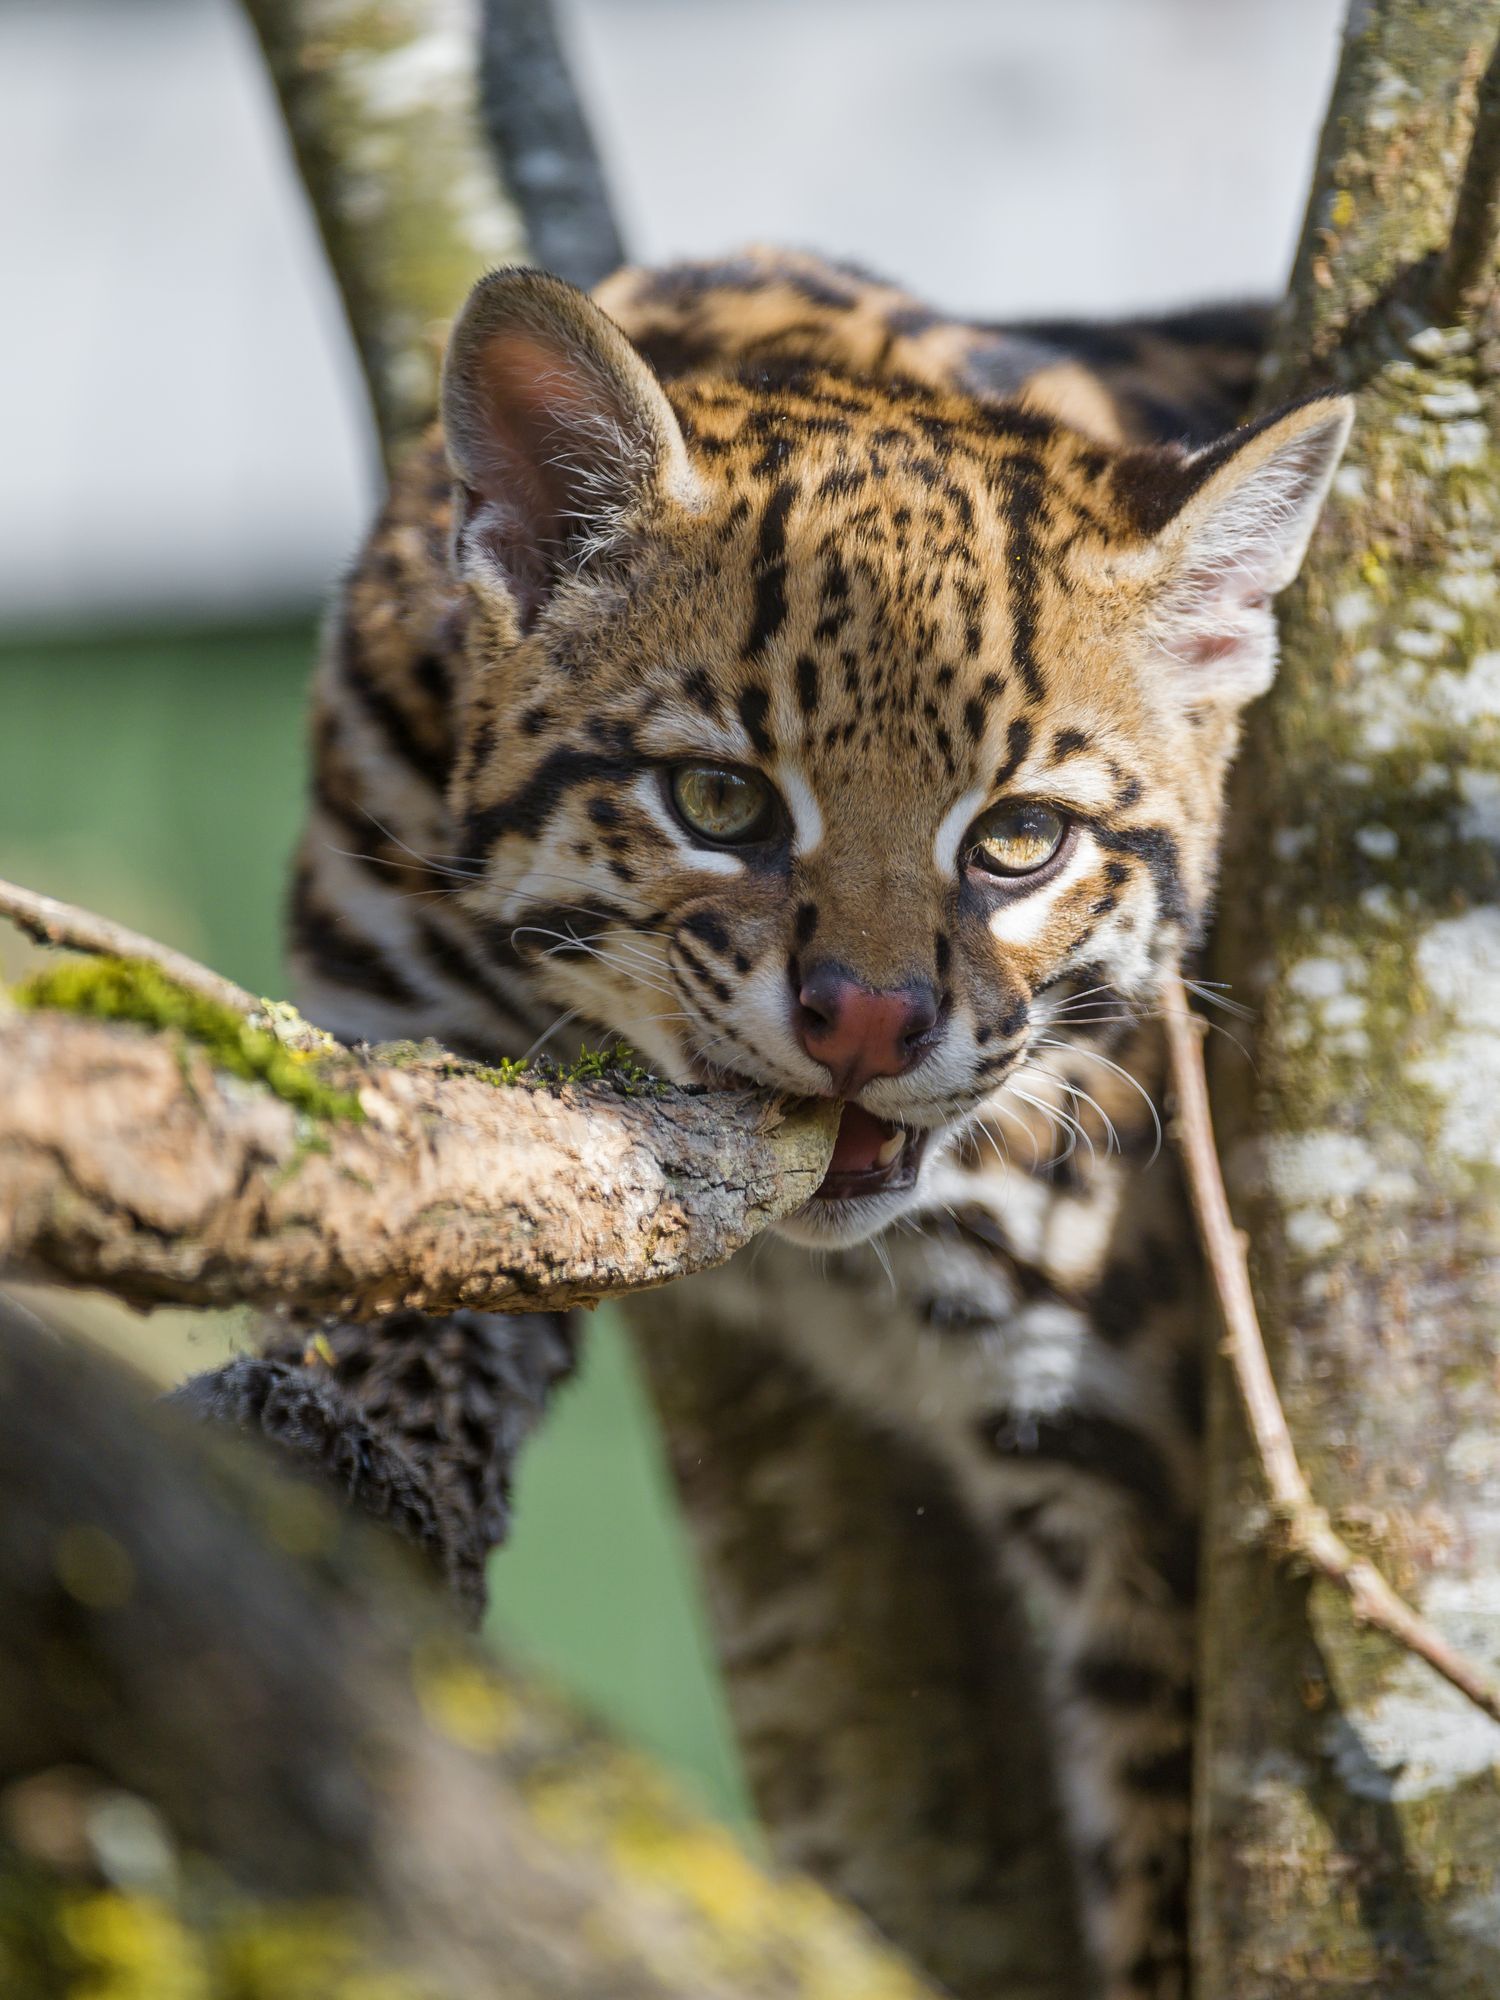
(903, 567)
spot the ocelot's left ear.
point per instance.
(1234, 538)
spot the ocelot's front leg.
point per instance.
(1102, 1557)
(1042, 1343)
(1083, 1469)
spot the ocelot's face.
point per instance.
(853, 734)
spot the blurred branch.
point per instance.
(243, 1752)
(380, 100)
(542, 140)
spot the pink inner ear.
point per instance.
(531, 399)
(1203, 648)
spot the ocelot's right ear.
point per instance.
(558, 435)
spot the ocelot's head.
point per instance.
(828, 734)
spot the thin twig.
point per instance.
(1306, 1531)
(1465, 274)
(47, 921)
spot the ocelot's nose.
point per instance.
(861, 1032)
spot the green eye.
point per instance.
(721, 802)
(1015, 839)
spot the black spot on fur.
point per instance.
(1156, 847)
(700, 690)
(708, 928)
(754, 705)
(1025, 505)
(807, 684)
(1017, 747)
(1084, 1441)
(769, 611)
(341, 954)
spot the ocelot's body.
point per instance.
(843, 702)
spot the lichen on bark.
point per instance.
(381, 101)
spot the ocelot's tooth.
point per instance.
(890, 1152)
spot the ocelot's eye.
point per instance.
(722, 802)
(1016, 838)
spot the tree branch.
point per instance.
(45, 920)
(1306, 1534)
(1464, 278)
(542, 141)
(131, 1160)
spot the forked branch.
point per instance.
(1305, 1531)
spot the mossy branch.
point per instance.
(169, 1147)
(245, 1755)
(45, 920)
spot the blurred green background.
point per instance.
(158, 779)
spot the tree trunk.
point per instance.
(1349, 1811)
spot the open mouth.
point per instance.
(870, 1156)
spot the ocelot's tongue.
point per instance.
(861, 1138)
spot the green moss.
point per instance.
(616, 1066)
(127, 989)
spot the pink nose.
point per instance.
(859, 1033)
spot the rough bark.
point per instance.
(381, 101)
(245, 1756)
(132, 1159)
(1349, 1812)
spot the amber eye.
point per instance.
(722, 802)
(1017, 838)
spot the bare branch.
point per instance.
(1465, 275)
(47, 921)
(1306, 1533)
(130, 1160)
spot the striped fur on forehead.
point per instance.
(887, 588)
